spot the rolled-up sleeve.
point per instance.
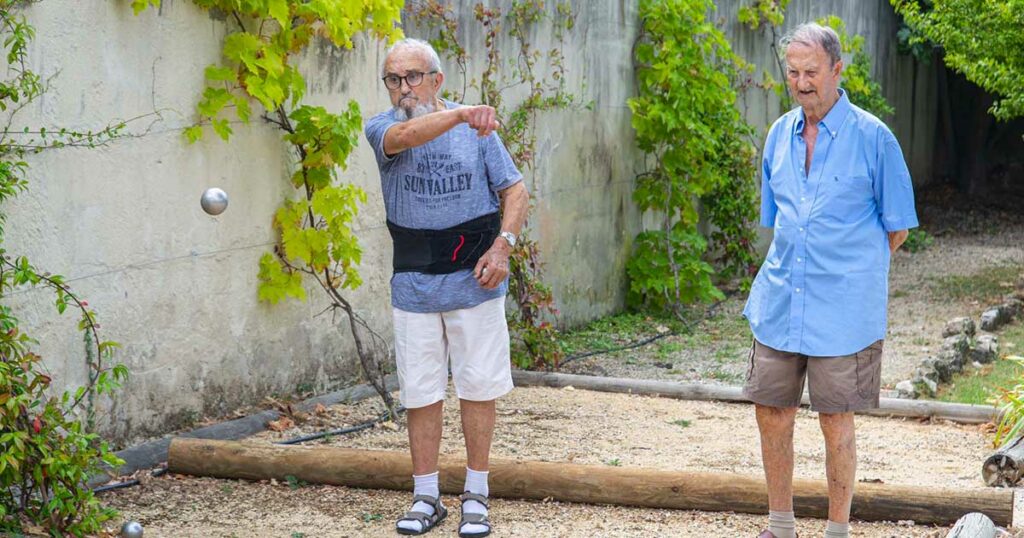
(894, 191)
(376, 128)
(501, 169)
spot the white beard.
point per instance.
(404, 114)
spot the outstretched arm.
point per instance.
(419, 131)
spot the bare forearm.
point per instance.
(896, 239)
(493, 266)
(515, 202)
(419, 131)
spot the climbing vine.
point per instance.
(769, 15)
(698, 155)
(535, 343)
(48, 446)
(316, 240)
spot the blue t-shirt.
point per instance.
(447, 181)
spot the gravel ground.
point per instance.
(560, 425)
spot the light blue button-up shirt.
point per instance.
(823, 288)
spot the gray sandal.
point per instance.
(427, 522)
(475, 519)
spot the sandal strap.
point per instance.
(470, 496)
(432, 501)
(475, 519)
(422, 518)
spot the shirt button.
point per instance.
(802, 199)
(801, 229)
(798, 290)
(800, 260)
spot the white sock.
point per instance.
(837, 530)
(476, 482)
(422, 485)
(782, 524)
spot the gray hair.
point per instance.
(412, 43)
(813, 34)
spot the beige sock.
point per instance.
(837, 530)
(782, 524)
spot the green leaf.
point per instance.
(277, 284)
(218, 74)
(138, 6)
(242, 108)
(194, 133)
(222, 128)
(242, 47)
(279, 11)
(213, 101)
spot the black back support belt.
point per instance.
(438, 252)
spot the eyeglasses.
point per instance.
(413, 79)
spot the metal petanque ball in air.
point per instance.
(214, 201)
(131, 529)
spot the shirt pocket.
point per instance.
(848, 198)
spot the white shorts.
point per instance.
(475, 339)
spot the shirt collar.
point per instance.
(833, 120)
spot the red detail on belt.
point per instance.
(462, 241)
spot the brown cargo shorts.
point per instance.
(835, 384)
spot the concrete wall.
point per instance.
(178, 288)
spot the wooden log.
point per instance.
(1006, 465)
(973, 525)
(594, 484)
(889, 407)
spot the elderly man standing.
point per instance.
(444, 172)
(838, 194)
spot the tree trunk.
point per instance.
(976, 123)
(948, 157)
(568, 482)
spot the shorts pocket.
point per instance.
(869, 371)
(750, 360)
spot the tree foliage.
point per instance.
(981, 39)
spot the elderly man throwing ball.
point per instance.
(444, 172)
(837, 192)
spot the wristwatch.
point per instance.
(509, 238)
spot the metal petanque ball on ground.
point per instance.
(131, 529)
(214, 201)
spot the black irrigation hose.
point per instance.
(351, 429)
(118, 485)
(640, 343)
(633, 345)
(128, 483)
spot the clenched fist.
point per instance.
(483, 118)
